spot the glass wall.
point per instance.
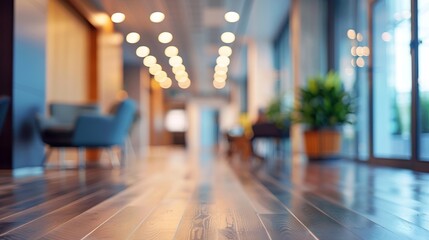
(351, 58)
(283, 66)
(423, 32)
(392, 79)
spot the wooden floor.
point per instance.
(175, 195)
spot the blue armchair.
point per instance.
(4, 104)
(93, 131)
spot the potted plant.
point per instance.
(276, 114)
(324, 106)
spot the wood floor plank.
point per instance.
(125, 221)
(39, 227)
(163, 221)
(97, 215)
(285, 226)
(320, 224)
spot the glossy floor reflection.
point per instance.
(172, 194)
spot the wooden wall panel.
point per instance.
(68, 68)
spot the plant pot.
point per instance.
(322, 144)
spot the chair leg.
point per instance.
(46, 156)
(62, 155)
(113, 158)
(81, 156)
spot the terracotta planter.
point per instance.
(322, 144)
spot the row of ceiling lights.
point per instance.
(223, 61)
(175, 61)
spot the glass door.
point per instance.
(423, 80)
(392, 79)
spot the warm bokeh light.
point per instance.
(118, 17)
(351, 34)
(185, 84)
(182, 78)
(366, 51)
(359, 37)
(148, 61)
(220, 73)
(157, 17)
(227, 37)
(155, 68)
(359, 51)
(165, 37)
(175, 61)
(232, 17)
(171, 51)
(219, 85)
(360, 62)
(142, 51)
(352, 62)
(353, 51)
(133, 37)
(160, 76)
(166, 83)
(225, 51)
(221, 68)
(100, 19)
(222, 61)
(178, 68)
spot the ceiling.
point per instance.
(196, 26)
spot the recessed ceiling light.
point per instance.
(171, 51)
(148, 61)
(219, 85)
(182, 78)
(227, 37)
(175, 61)
(133, 37)
(155, 68)
(222, 61)
(117, 17)
(232, 17)
(142, 51)
(185, 84)
(220, 68)
(165, 37)
(157, 17)
(160, 76)
(225, 51)
(178, 68)
(166, 83)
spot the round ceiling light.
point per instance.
(175, 61)
(225, 51)
(155, 68)
(222, 61)
(157, 17)
(171, 51)
(148, 61)
(166, 83)
(182, 79)
(227, 37)
(160, 76)
(219, 85)
(178, 68)
(220, 68)
(142, 51)
(186, 84)
(117, 17)
(232, 17)
(165, 37)
(133, 37)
